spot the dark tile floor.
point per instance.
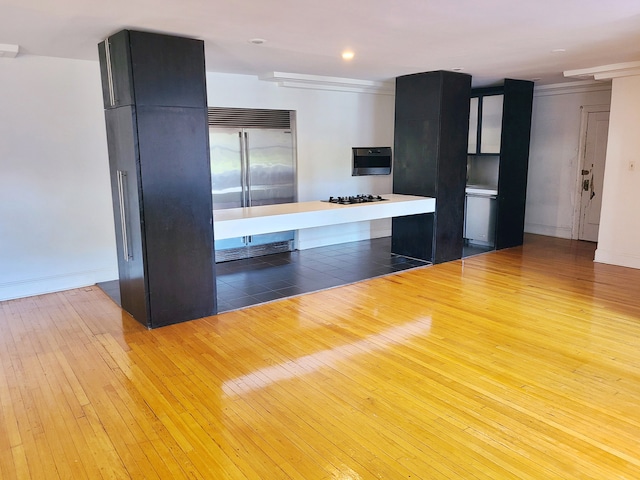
(112, 288)
(247, 282)
(469, 250)
(242, 283)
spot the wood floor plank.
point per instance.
(445, 467)
(520, 363)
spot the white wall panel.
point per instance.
(619, 234)
(56, 225)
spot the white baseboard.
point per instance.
(614, 258)
(54, 283)
(548, 230)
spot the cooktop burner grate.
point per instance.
(356, 199)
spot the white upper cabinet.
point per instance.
(485, 124)
(491, 126)
(473, 126)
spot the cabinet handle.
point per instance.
(107, 52)
(122, 178)
(248, 162)
(243, 172)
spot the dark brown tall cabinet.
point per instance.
(156, 117)
(430, 152)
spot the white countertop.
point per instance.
(238, 222)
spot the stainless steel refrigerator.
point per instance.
(250, 167)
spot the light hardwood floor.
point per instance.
(523, 363)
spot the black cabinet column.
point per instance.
(157, 133)
(430, 152)
(514, 162)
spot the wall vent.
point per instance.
(249, 118)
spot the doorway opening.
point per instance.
(590, 178)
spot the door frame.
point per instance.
(585, 110)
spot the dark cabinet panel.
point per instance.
(115, 70)
(144, 68)
(160, 176)
(414, 155)
(413, 235)
(418, 95)
(124, 164)
(176, 184)
(430, 145)
(514, 162)
(165, 74)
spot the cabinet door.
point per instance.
(491, 127)
(167, 71)
(152, 69)
(473, 126)
(178, 212)
(123, 163)
(415, 157)
(115, 69)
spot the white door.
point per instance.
(593, 175)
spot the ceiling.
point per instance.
(488, 39)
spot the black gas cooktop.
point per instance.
(355, 199)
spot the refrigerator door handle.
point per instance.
(243, 171)
(248, 167)
(122, 179)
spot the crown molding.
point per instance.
(339, 84)
(582, 86)
(8, 50)
(607, 72)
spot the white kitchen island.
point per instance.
(238, 222)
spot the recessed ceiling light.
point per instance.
(535, 79)
(348, 55)
(558, 50)
(257, 41)
(457, 69)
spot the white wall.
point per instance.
(619, 235)
(56, 226)
(553, 155)
(329, 123)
